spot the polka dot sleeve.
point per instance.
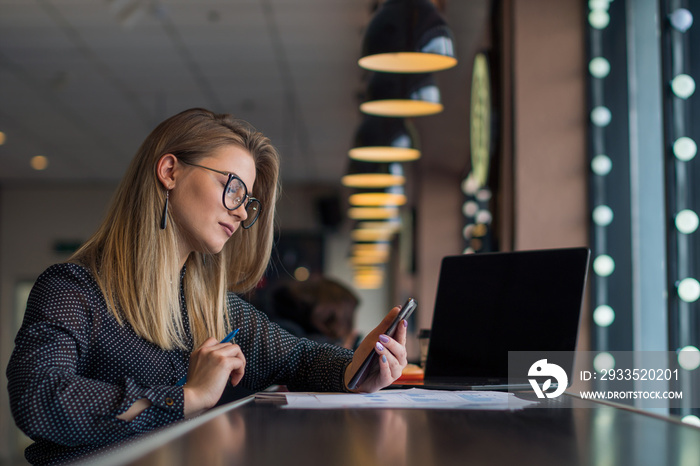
(74, 369)
(274, 356)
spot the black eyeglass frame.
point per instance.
(247, 199)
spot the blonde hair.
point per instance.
(136, 264)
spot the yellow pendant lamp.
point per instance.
(380, 139)
(407, 36)
(402, 95)
(373, 175)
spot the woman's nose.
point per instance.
(240, 212)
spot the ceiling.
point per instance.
(82, 82)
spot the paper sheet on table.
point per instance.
(410, 398)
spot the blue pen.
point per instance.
(227, 339)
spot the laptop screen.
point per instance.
(490, 303)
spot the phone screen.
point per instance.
(406, 310)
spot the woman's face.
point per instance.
(196, 200)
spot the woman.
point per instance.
(145, 301)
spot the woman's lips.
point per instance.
(227, 228)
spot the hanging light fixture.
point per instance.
(368, 277)
(390, 196)
(380, 139)
(407, 36)
(402, 95)
(373, 213)
(370, 248)
(368, 260)
(369, 251)
(392, 225)
(371, 234)
(373, 175)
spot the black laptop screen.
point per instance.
(491, 303)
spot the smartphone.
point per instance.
(371, 360)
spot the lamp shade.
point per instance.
(373, 213)
(407, 36)
(380, 139)
(371, 234)
(402, 95)
(390, 196)
(391, 225)
(370, 248)
(373, 175)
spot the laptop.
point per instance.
(490, 303)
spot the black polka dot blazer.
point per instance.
(74, 368)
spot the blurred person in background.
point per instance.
(319, 309)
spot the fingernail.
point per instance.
(379, 346)
(405, 323)
(383, 357)
(383, 338)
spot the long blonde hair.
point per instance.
(135, 263)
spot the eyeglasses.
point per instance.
(235, 195)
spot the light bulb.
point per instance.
(601, 116)
(604, 265)
(687, 221)
(484, 216)
(683, 86)
(603, 361)
(599, 67)
(602, 215)
(684, 148)
(470, 208)
(601, 165)
(689, 358)
(39, 162)
(599, 19)
(603, 315)
(681, 19)
(689, 290)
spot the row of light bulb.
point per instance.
(686, 221)
(601, 164)
(684, 149)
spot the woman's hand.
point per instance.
(212, 365)
(391, 353)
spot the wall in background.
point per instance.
(33, 221)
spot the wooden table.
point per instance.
(570, 431)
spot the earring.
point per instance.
(164, 218)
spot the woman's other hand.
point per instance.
(391, 354)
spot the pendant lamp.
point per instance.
(373, 175)
(402, 95)
(407, 36)
(373, 213)
(391, 225)
(380, 139)
(371, 234)
(368, 280)
(370, 248)
(390, 196)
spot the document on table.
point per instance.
(410, 398)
